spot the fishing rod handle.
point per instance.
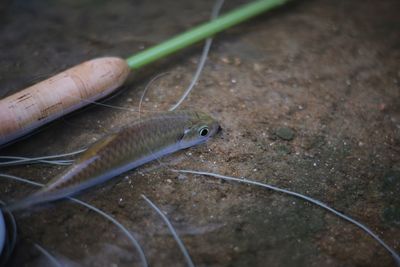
(65, 92)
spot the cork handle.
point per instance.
(67, 91)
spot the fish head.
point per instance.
(199, 129)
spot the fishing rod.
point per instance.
(91, 80)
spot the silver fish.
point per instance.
(134, 145)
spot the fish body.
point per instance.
(134, 145)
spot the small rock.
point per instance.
(225, 60)
(285, 133)
(257, 67)
(121, 203)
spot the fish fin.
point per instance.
(44, 194)
(86, 156)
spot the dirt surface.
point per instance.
(308, 98)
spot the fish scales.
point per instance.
(129, 144)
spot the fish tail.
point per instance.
(28, 202)
(20, 204)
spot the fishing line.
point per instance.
(214, 14)
(26, 160)
(303, 197)
(48, 255)
(128, 234)
(172, 230)
(215, 11)
(147, 88)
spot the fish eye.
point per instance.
(203, 131)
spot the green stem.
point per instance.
(201, 32)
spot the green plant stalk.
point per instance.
(201, 32)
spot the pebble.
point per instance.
(285, 133)
(257, 67)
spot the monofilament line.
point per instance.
(128, 234)
(48, 255)
(147, 88)
(206, 49)
(306, 198)
(41, 159)
(173, 232)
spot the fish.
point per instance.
(129, 147)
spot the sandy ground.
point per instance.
(308, 98)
